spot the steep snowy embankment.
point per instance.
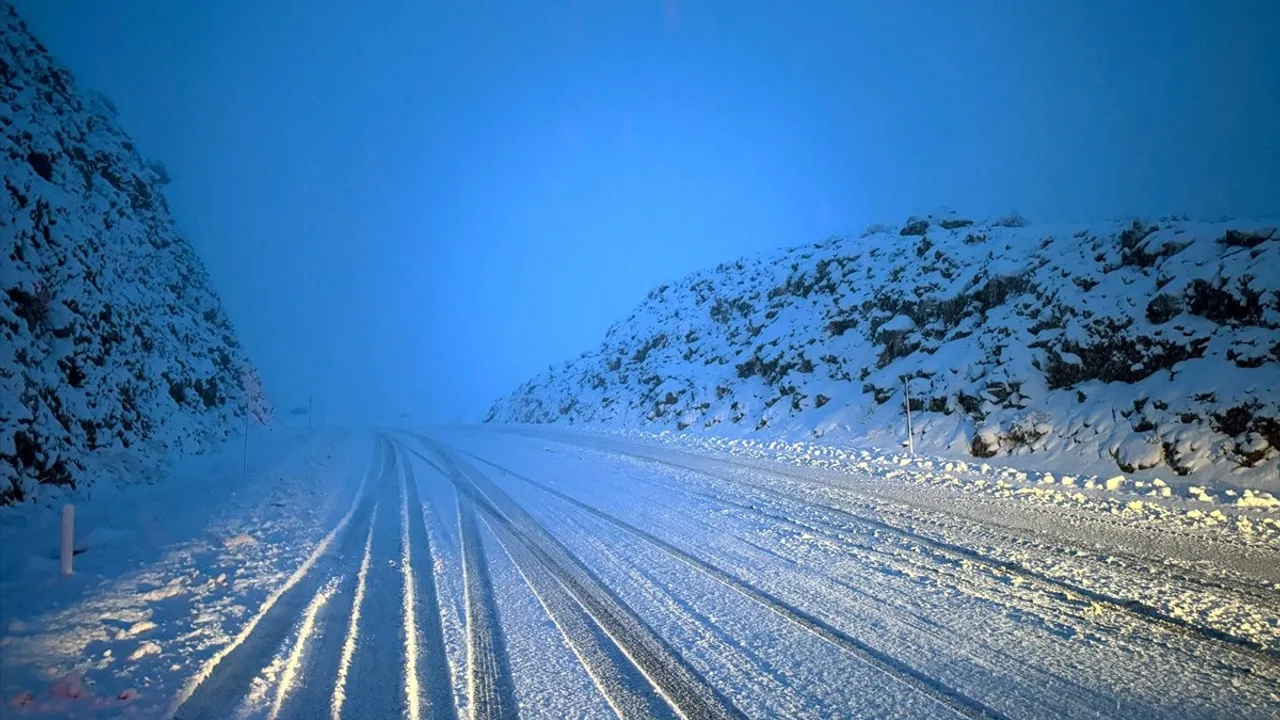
(112, 335)
(1138, 345)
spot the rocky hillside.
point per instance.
(112, 338)
(1137, 344)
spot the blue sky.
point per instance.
(413, 206)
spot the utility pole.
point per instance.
(906, 396)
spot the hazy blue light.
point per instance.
(414, 206)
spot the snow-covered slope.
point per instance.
(113, 338)
(1137, 344)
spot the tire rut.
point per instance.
(228, 681)
(1003, 663)
(683, 687)
(909, 676)
(438, 694)
(375, 682)
(1134, 608)
(623, 686)
(492, 691)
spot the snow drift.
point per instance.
(1132, 344)
(112, 336)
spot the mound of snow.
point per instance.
(1139, 453)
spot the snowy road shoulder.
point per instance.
(192, 560)
(1211, 581)
(1146, 515)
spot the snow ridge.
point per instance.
(113, 337)
(1143, 345)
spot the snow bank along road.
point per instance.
(537, 573)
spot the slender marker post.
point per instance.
(245, 470)
(906, 396)
(68, 534)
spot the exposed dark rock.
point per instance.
(1239, 238)
(1163, 308)
(915, 227)
(41, 164)
(1217, 303)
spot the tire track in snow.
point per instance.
(298, 655)
(880, 502)
(419, 557)
(909, 676)
(1133, 608)
(1186, 572)
(871, 498)
(490, 687)
(375, 680)
(772, 467)
(903, 616)
(688, 693)
(226, 677)
(343, 622)
(697, 613)
(412, 691)
(339, 696)
(408, 645)
(1259, 589)
(619, 682)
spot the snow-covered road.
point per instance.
(539, 573)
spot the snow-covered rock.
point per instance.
(1139, 453)
(1136, 344)
(112, 335)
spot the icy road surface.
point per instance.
(544, 574)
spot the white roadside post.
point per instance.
(245, 470)
(906, 398)
(68, 531)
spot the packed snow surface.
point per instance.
(546, 573)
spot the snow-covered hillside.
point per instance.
(113, 339)
(1137, 344)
